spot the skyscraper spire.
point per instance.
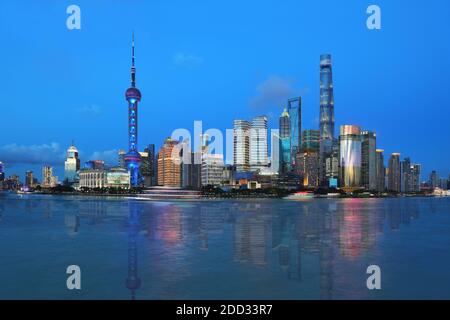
(133, 69)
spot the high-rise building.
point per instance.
(192, 170)
(285, 142)
(433, 181)
(308, 164)
(332, 165)
(29, 180)
(259, 144)
(350, 156)
(241, 145)
(212, 169)
(311, 140)
(71, 165)
(295, 117)
(381, 170)
(326, 117)
(368, 160)
(147, 167)
(406, 183)
(169, 164)
(48, 179)
(394, 173)
(121, 159)
(133, 96)
(95, 165)
(308, 158)
(2, 172)
(416, 172)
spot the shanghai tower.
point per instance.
(326, 114)
(133, 96)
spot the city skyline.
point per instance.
(103, 121)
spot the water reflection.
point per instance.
(309, 244)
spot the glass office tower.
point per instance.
(326, 117)
(368, 165)
(259, 156)
(350, 156)
(285, 142)
(241, 145)
(295, 116)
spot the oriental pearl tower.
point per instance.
(133, 96)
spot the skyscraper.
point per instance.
(48, 179)
(406, 176)
(258, 143)
(368, 160)
(150, 179)
(416, 171)
(326, 114)
(121, 159)
(285, 142)
(241, 145)
(71, 165)
(295, 117)
(133, 96)
(381, 170)
(2, 172)
(308, 158)
(29, 181)
(169, 164)
(350, 156)
(394, 173)
(433, 181)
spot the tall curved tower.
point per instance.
(133, 96)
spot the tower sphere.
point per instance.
(133, 93)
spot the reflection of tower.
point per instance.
(133, 282)
(133, 96)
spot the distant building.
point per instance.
(394, 173)
(308, 164)
(94, 164)
(326, 117)
(29, 180)
(150, 149)
(406, 179)
(285, 143)
(2, 172)
(71, 165)
(416, 170)
(259, 144)
(311, 140)
(101, 178)
(241, 145)
(169, 164)
(212, 169)
(433, 181)
(332, 166)
(192, 170)
(295, 116)
(48, 179)
(121, 159)
(368, 160)
(350, 156)
(229, 175)
(380, 171)
(92, 178)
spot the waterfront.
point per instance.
(224, 249)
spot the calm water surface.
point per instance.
(259, 249)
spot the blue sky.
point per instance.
(216, 61)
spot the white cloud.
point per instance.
(51, 154)
(186, 60)
(109, 156)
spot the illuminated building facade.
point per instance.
(416, 171)
(394, 173)
(29, 180)
(241, 145)
(212, 169)
(94, 165)
(259, 144)
(406, 176)
(133, 96)
(2, 172)
(295, 115)
(169, 164)
(368, 160)
(71, 165)
(350, 156)
(48, 179)
(285, 142)
(380, 170)
(326, 117)
(308, 164)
